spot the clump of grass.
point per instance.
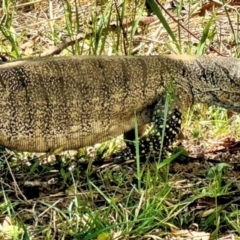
(7, 30)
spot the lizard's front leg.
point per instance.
(166, 126)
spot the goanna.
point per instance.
(72, 102)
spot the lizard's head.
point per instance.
(216, 81)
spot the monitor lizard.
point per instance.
(72, 102)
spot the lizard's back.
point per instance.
(72, 102)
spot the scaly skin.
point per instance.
(72, 102)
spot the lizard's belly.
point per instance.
(40, 139)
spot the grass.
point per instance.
(68, 196)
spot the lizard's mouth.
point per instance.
(227, 99)
(234, 108)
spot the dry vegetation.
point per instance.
(73, 197)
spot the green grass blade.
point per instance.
(164, 22)
(204, 38)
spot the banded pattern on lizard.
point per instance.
(72, 102)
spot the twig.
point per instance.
(63, 45)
